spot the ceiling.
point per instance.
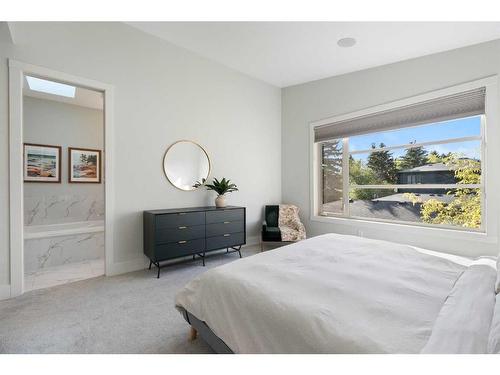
(289, 53)
(83, 97)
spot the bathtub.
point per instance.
(58, 244)
(63, 229)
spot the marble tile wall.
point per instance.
(43, 253)
(55, 209)
(64, 274)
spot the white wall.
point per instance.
(325, 98)
(162, 94)
(55, 123)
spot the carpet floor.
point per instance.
(130, 313)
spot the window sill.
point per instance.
(446, 233)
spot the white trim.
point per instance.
(403, 223)
(418, 186)
(16, 179)
(252, 241)
(4, 292)
(313, 174)
(415, 145)
(109, 175)
(484, 216)
(489, 222)
(142, 262)
(404, 228)
(126, 266)
(345, 181)
(17, 70)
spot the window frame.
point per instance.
(346, 188)
(488, 226)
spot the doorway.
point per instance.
(60, 177)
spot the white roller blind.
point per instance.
(468, 103)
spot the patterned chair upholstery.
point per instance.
(282, 224)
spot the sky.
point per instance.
(467, 127)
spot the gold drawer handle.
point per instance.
(227, 235)
(226, 222)
(182, 241)
(182, 227)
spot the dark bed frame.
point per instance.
(206, 333)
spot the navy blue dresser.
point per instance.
(180, 232)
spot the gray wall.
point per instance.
(329, 97)
(66, 125)
(162, 94)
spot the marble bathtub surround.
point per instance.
(63, 229)
(43, 253)
(54, 209)
(66, 273)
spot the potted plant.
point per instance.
(221, 187)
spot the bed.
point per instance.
(345, 294)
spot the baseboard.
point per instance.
(4, 292)
(253, 240)
(127, 266)
(142, 263)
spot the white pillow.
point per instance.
(463, 323)
(494, 338)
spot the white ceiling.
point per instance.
(83, 97)
(288, 53)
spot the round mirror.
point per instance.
(186, 163)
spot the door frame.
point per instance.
(17, 70)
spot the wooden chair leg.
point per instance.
(193, 334)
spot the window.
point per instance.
(420, 164)
(50, 87)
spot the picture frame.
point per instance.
(84, 165)
(41, 163)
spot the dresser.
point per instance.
(193, 231)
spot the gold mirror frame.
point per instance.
(204, 151)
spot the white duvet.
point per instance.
(345, 294)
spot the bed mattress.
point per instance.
(345, 294)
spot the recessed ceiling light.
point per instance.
(346, 42)
(50, 87)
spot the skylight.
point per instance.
(50, 87)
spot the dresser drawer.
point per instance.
(222, 215)
(178, 249)
(186, 219)
(219, 229)
(228, 240)
(179, 233)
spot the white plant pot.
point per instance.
(220, 201)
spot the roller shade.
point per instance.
(464, 104)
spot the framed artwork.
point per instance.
(84, 165)
(42, 163)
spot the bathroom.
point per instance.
(63, 139)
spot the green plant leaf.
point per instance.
(221, 187)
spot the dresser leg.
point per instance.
(150, 263)
(203, 259)
(227, 250)
(239, 251)
(158, 265)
